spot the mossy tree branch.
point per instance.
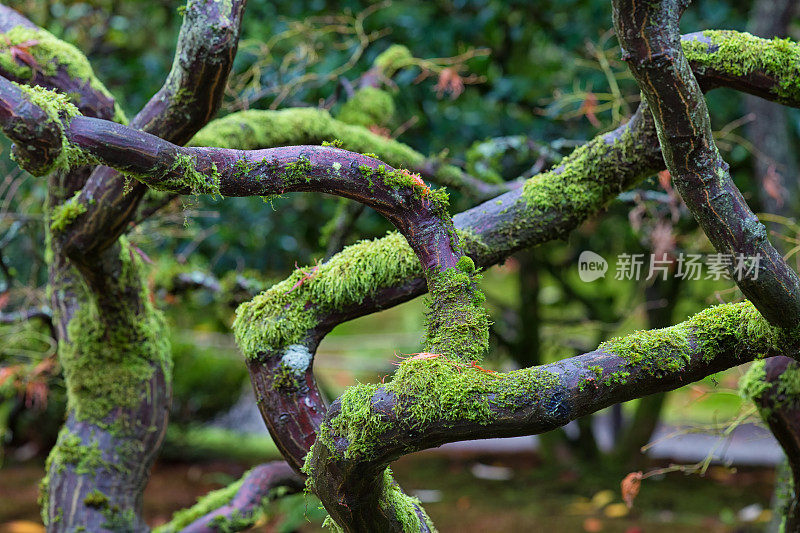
(59, 65)
(97, 471)
(774, 386)
(256, 129)
(189, 98)
(648, 33)
(434, 401)
(240, 505)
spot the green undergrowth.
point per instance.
(740, 54)
(50, 54)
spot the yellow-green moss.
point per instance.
(456, 321)
(65, 214)
(583, 181)
(739, 54)
(60, 111)
(283, 314)
(109, 357)
(722, 327)
(432, 390)
(369, 106)
(191, 178)
(257, 129)
(96, 499)
(70, 450)
(50, 54)
(212, 501)
(393, 59)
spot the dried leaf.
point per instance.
(773, 186)
(588, 107)
(665, 180)
(449, 82)
(630, 487)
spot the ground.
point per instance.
(537, 498)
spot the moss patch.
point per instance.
(256, 129)
(284, 314)
(393, 59)
(457, 323)
(111, 355)
(739, 54)
(712, 330)
(65, 214)
(369, 106)
(430, 390)
(584, 180)
(50, 54)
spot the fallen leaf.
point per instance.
(630, 487)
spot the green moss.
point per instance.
(96, 499)
(211, 501)
(284, 314)
(369, 106)
(60, 112)
(786, 387)
(50, 54)
(431, 390)
(457, 323)
(70, 451)
(256, 129)
(584, 180)
(111, 355)
(237, 521)
(723, 327)
(404, 506)
(393, 59)
(739, 54)
(189, 177)
(65, 214)
(754, 382)
(486, 160)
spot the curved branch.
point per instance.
(255, 129)
(432, 402)
(189, 98)
(56, 65)
(774, 386)
(241, 503)
(648, 33)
